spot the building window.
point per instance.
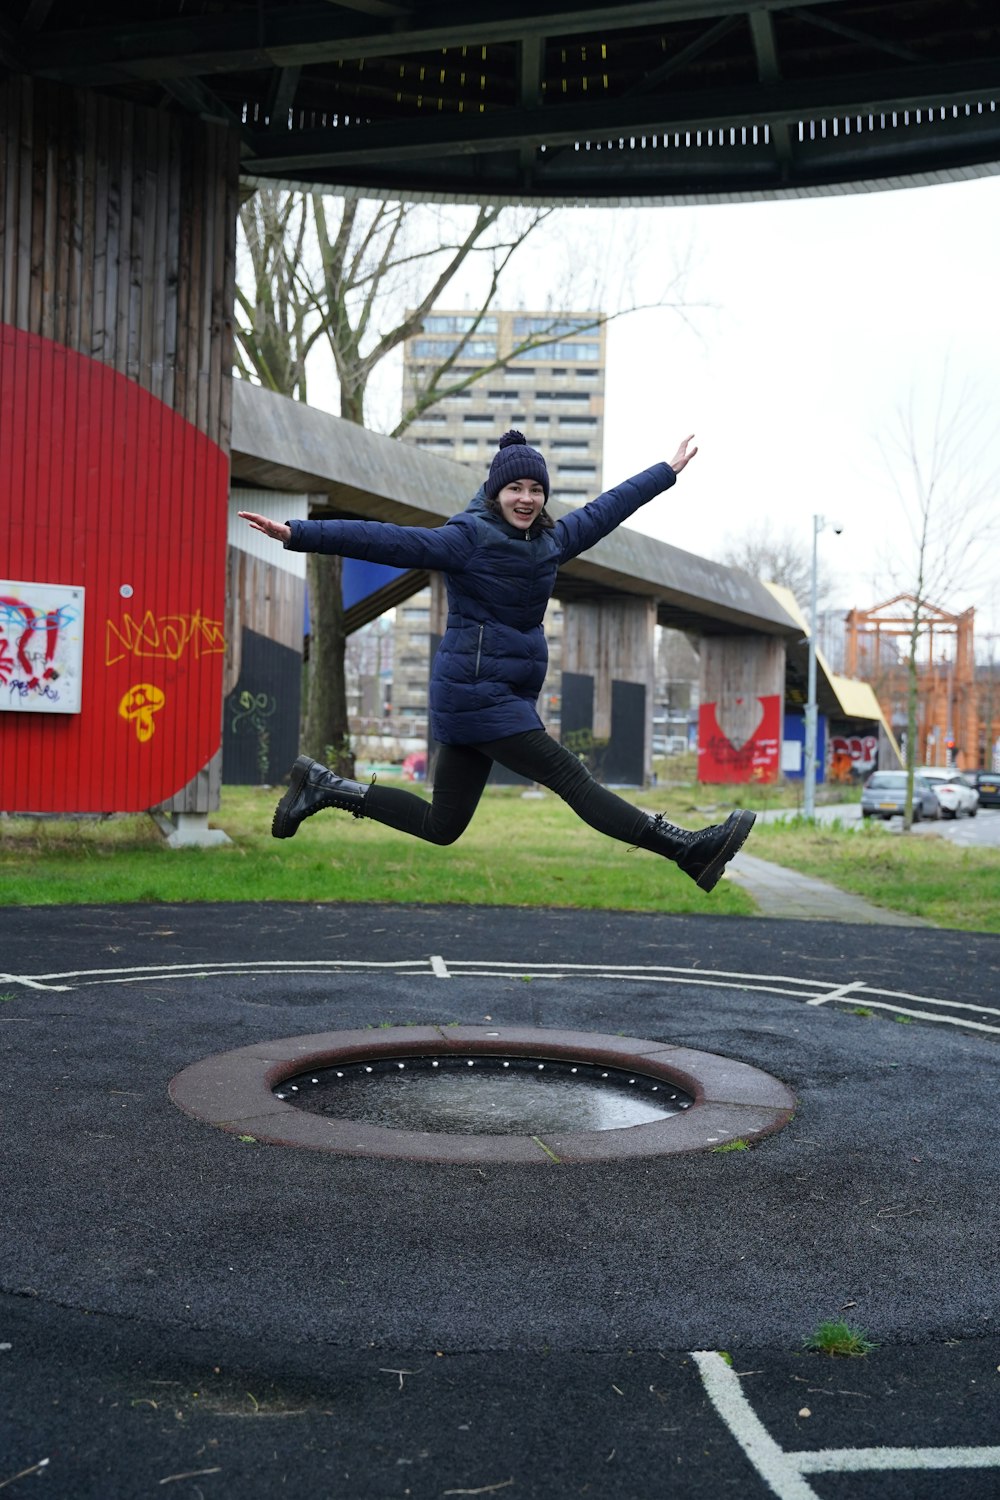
(453, 323)
(563, 352)
(553, 325)
(439, 349)
(563, 396)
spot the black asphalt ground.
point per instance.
(188, 1314)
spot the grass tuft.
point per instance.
(840, 1339)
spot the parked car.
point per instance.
(884, 796)
(952, 790)
(988, 787)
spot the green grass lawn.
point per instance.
(517, 852)
(923, 875)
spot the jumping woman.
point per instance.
(499, 557)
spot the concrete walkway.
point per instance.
(787, 893)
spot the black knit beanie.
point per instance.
(515, 460)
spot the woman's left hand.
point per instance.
(276, 530)
(684, 455)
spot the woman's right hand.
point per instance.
(277, 530)
(684, 455)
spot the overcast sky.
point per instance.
(811, 324)
(828, 315)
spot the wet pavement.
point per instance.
(181, 1307)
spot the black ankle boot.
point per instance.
(704, 854)
(312, 787)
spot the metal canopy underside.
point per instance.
(644, 101)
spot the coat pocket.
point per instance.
(479, 650)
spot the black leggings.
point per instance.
(461, 773)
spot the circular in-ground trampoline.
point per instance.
(471, 1094)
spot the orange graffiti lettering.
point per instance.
(167, 636)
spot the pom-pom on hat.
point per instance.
(515, 460)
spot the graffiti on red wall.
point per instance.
(167, 637)
(149, 678)
(137, 707)
(740, 740)
(41, 636)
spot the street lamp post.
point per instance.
(809, 793)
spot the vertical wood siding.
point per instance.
(117, 251)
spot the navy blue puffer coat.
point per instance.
(491, 664)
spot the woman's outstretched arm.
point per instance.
(443, 548)
(583, 528)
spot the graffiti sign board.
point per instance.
(41, 647)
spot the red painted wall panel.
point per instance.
(104, 488)
(722, 758)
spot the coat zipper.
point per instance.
(479, 650)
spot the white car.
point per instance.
(952, 790)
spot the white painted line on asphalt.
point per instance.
(783, 1469)
(841, 993)
(814, 992)
(772, 1463)
(857, 1460)
(31, 984)
(300, 964)
(929, 1015)
(458, 963)
(412, 969)
(677, 978)
(989, 1010)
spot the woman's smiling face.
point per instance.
(520, 502)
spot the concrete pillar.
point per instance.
(613, 640)
(740, 721)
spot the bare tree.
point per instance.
(778, 557)
(359, 278)
(937, 462)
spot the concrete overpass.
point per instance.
(285, 445)
(753, 639)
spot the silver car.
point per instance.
(884, 796)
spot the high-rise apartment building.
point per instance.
(553, 393)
